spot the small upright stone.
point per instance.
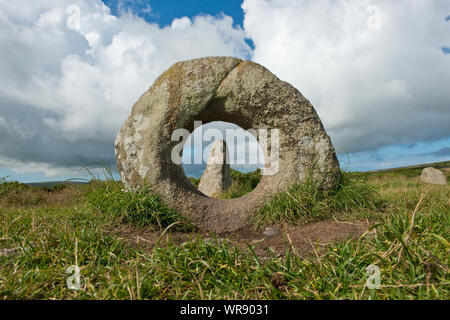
(217, 177)
(433, 176)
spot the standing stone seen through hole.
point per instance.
(216, 177)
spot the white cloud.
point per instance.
(68, 81)
(80, 69)
(371, 87)
(46, 169)
(181, 23)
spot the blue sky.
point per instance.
(163, 12)
(381, 90)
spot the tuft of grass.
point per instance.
(139, 206)
(306, 202)
(241, 184)
(13, 193)
(20, 195)
(195, 181)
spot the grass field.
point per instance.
(44, 231)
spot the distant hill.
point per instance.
(50, 184)
(437, 165)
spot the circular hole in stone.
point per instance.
(223, 160)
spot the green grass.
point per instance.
(408, 241)
(140, 207)
(195, 181)
(241, 183)
(12, 193)
(305, 202)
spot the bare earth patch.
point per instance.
(302, 239)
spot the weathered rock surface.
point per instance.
(270, 232)
(433, 176)
(222, 89)
(217, 175)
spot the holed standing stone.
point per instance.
(231, 90)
